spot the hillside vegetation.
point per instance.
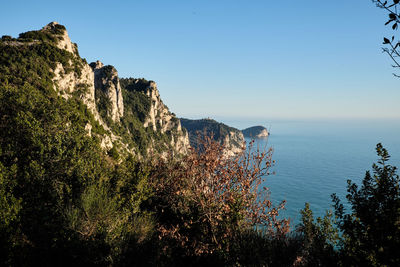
(96, 171)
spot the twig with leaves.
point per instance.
(394, 20)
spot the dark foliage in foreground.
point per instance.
(371, 230)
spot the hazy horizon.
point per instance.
(246, 122)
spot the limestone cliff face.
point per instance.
(230, 137)
(161, 119)
(157, 117)
(233, 143)
(106, 79)
(99, 87)
(68, 81)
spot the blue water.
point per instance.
(314, 159)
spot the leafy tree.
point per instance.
(319, 238)
(371, 230)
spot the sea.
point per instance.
(315, 158)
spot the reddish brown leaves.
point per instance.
(221, 196)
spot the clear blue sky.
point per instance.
(235, 59)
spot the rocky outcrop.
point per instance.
(231, 138)
(256, 132)
(106, 83)
(64, 42)
(161, 119)
(234, 143)
(154, 115)
(68, 82)
(151, 126)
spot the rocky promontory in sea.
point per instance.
(231, 138)
(256, 132)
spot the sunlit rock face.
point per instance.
(99, 88)
(160, 119)
(64, 42)
(106, 79)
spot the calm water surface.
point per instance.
(314, 159)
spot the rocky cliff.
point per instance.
(107, 86)
(255, 132)
(145, 104)
(230, 137)
(122, 123)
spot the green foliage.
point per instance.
(63, 200)
(138, 104)
(103, 104)
(38, 35)
(48, 35)
(32, 63)
(371, 230)
(7, 38)
(108, 71)
(113, 152)
(137, 107)
(319, 239)
(9, 205)
(96, 213)
(135, 85)
(46, 147)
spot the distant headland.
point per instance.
(256, 132)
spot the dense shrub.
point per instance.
(371, 229)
